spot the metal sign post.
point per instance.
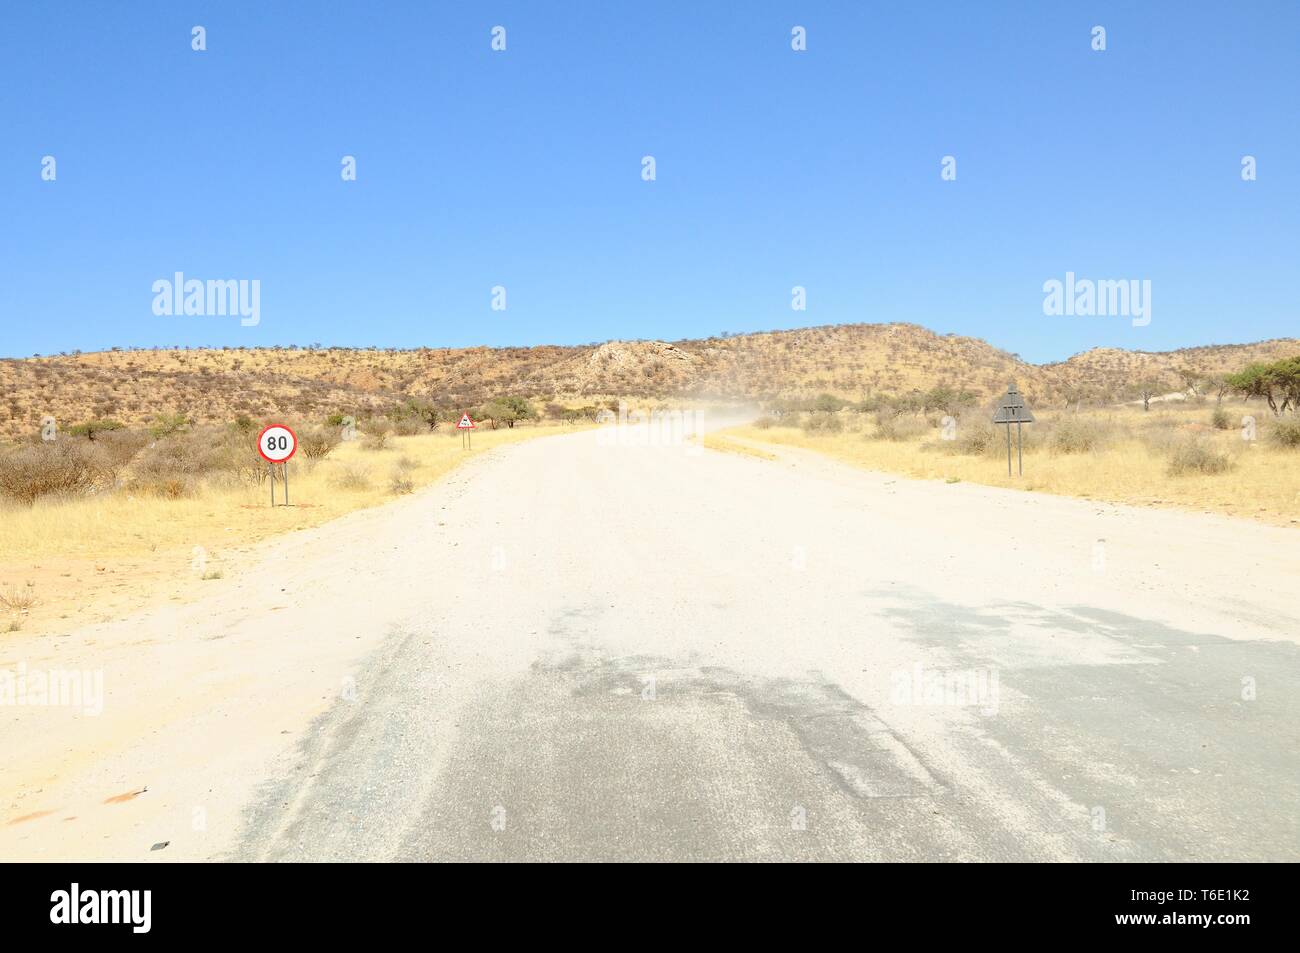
(277, 443)
(1014, 410)
(282, 478)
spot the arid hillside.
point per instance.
(850, 361)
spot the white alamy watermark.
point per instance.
(128, 907)
(215, 297)
(1107, 297)
(971, 687)
(55, 688)
(631, 427)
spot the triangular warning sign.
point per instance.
(1012, 409)
(466, 423)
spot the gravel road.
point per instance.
(575, 649)
(663, 653)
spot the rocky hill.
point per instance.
(847, 360)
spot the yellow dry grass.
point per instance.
(1263, 483)
(96, 558)
(721, 442)
(350, 478)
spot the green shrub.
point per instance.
(822, 422)
(375, 434)
(1286, 432)
(975, 438)
(316, 444)
(896, 427)
(829, 403)
(119, 447)
(93, 428)
(350, 476)
(409, 426)
(1192, 456)
(1221, 419)
(174, 466)
(164, 425)
(1074, 434)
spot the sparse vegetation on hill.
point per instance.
(850, 362)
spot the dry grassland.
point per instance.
(69, 560)
(1168, 456)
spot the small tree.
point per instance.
(1072, 393)
(317, 443)
(92, 427)
(1219, 384)
(829, 403)
(946, 400)
(164, 425)
(1256, 380)
(1146, 389)
(1191, 378)
(430, 414)
(508, 411)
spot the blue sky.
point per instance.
(523, 169)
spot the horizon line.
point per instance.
(317, 346)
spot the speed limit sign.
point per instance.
(277, 443)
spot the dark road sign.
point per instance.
(1013, 410)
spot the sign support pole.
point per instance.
(276, 444)
(1013, 410)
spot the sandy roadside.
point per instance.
(96, 560)
(198, 696)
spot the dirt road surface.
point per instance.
(575, 649)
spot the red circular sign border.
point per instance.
(263, 434)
